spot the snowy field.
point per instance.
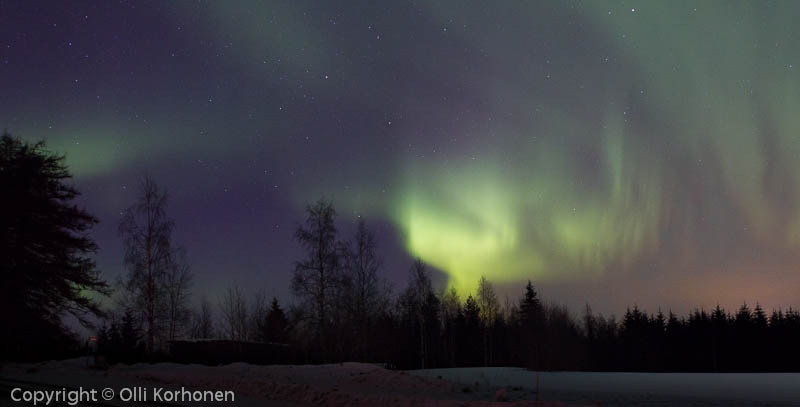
(358, 384)
(638, 389)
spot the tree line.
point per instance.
(343, 310)
(426, 327)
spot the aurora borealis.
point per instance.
(613, 152)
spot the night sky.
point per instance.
(618, 153)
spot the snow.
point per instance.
(360, 384)
(751, 389)
(348, 384)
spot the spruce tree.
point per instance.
(277, 323)
(45, 272)
(530, 306)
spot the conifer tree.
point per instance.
(45, 271)
(277, 323)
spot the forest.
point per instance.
(343, 309)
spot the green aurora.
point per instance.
(720, 94)
(571, 143)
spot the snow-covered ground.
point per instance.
(635, 389)
(358, 384)
(348, 384)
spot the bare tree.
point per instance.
(258, 317)
(203, 321)
(147, 234)
(451, 304)
(451, 308)
(315, 278)
(177, 283)
(367, 297)
(488, 307)
(487, 302)
(415, 298)
(233, 308)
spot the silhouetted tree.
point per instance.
(563, 340)
(129, 339)
(258, 318)
(432, 330)
(177, 283)
(366, 296)
(120, 342)
(743, 328)
(235, 320)
(530, 305)
(590, 329)
(675, 337)
(416, 304)
(150, 258)
(607, 352)
(532, 319)
(277, 323)
(488, 307)
(719, 336)
(744, 317)
(203, 321)
(316, 278)
(589, 322)
(450, 313)
(471, 349)
(426, 330)
(45, 270)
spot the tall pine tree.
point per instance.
(45, 272)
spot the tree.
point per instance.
(258, 318)
(129, 337)
(203, 321)
(488, 306)
(758, 343)
(487, 301)
(471, 331)
(366, 296)
(149, 257)
(719, 324)
(532, 318)
(125, 340)
(743, 318)
(451, 311)
(120, 342)
(277, 323)
(315, 278)
(589, 322)
(562, 339)
(530, 306)
(177, 282)
(419, 308)
(419, 289)
(45, 272)
(759, 318)
(233, 308)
